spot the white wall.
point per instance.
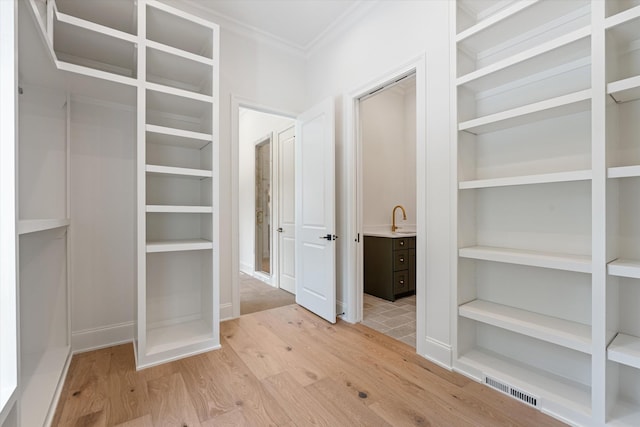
(254, 126)
(389, 36)
(102, 220)
(388, 121)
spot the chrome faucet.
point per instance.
(393, 217)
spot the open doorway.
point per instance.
(388, 209)
(260, 171)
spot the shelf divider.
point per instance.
(624, 268)
(625, 90)
(179, 245)
(565, 333)
(582, 175)
(625, 349)
(170, 170)
(26, 226)
(494, 19)
(178, 209)
(561, 105)
(566, 262)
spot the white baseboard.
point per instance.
(246, 268)
(105, 336)
(226, 311)
(436, 352)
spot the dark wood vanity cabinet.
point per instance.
(389, 266)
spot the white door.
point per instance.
(285, 141)
(315, 211)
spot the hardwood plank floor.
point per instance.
(284, 367)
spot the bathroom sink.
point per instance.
(404, 232)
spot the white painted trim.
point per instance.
(345, 21)
(226, 312)
(354, 287)
(246, 269)
(101, 337)
(236, 103)
(437, 352)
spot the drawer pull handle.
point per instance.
(401, 242)
(401, 259)
(402, 282)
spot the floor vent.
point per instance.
(511, 391)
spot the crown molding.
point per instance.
(347, 20)
(343, 22)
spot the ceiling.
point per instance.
(297, 23)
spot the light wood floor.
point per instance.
(284, 367)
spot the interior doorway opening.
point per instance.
(388, 206)
(259, 283)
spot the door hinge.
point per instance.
(358, 238)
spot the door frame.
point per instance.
(238, 102)
(354, 288)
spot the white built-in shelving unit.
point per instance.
(44, 288)
(622, 134)
(177, 185)
(548, 170)
(163, 64)
(9, 324)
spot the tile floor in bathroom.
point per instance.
(396, 319)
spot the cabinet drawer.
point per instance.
(404, 243)
(400, 282)
(400, 260)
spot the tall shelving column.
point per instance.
(177, 190)
(523, 95)
(44, 287)
(621, 85)
(8, 280)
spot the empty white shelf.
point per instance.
(169, 90)
(497, 18)
(170, 170)
(624, 172)
(179, 52)
(184, 35)
(625, 349)
(582, 175)
(42, 374)
(562, 105)
(26, 226)
(178, 209)
(624, 414)
(92, 46)
(577, 263)
(625, 90)
(538, 382)
(167, 106)
(564, 49)
(622, 18)
(177, 71)
(120, 15)
(562, 332)
(624, 268)
(92, 26)
(179, 335)
(502, 30)
(179, 245)
(178, 137)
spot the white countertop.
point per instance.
(378, 231)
